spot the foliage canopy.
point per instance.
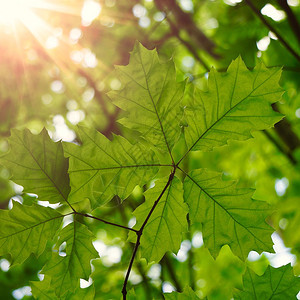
(150, 176)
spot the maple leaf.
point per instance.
(187, 294)
(39, 165)
(275, 283)
(151, 97)
(26, 229)
(65, 271)
(168, 222)
(236, 103)
(100, 168)
(228, 214)
(42, 290)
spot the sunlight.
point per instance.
(11, 11)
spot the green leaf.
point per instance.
(38, 164)
(164, 229)
(100, 168)
(151, 97)
(82, 294)
(187, 294)
(227, 213)
(26, 229)
(42, 290)
(237, 102)
(65, 271)
(275, 284)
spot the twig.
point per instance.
(140, 232)
(104, 221)
(268, 25)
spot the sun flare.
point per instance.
(12, 10)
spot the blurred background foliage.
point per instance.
(57, 61)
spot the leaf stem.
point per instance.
(269, 26)
(140, 232)
(104, 221)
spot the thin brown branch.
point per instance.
(270, 27)
(140, 232)
(104, 221)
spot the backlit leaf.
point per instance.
(237, 102)
(227, 213)
(100, 168)
(66, 270)
(39, 165)
(168, 222)
(187, 294)
(151, 97)
(275, 284)
(26, 229)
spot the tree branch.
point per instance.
(103, 221)
(269, 26)
(140, 232)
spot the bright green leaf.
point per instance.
(39, 165)
(26, 229)
(275, 284)
(164, 229)
(65, 271)
(227, 213)
(100, 168)
(237, 102)
(151, 97)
